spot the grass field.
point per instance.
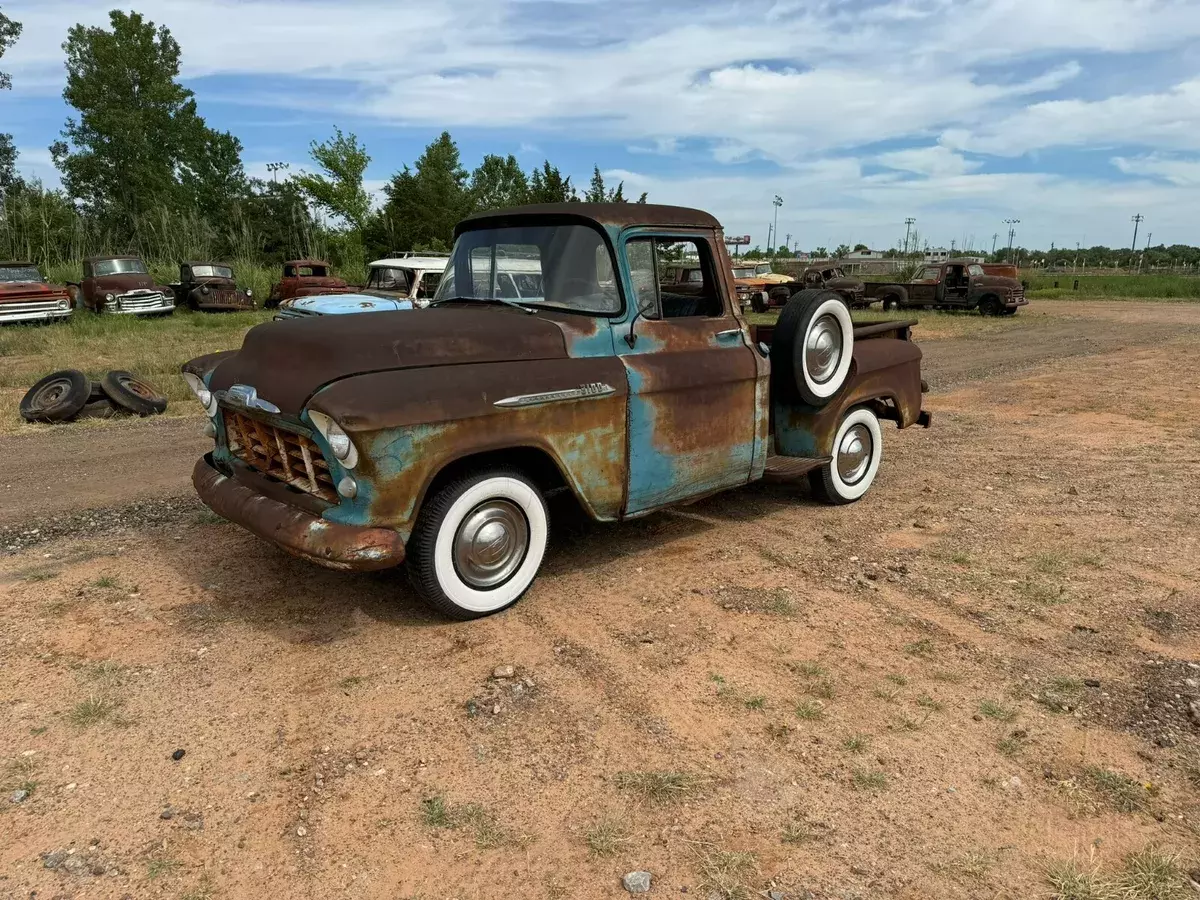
(1113, 287)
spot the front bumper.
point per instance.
(1016, 300)
(33, 311)
(301, 533)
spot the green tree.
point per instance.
(861, 248)
(598, 193)
(547, 185)
(9, 32)
(426, 202)
(821, 252)
(137, 132)
(497, 182)
(340, 189)
(841, 251)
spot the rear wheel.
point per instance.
(857, 452)
(891, 302)
(479, 543)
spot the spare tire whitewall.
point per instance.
(479, 543)
(828, 348)
(856, 454)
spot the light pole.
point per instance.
(908, 224)
(777, 202)
(1011, 234)
(995, 235)
(274, 167)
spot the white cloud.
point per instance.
(935, 160)
(1183, 172)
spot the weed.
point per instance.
(157, 867)
(796, 833)
(1011, 745)
(94, 710)
(946, 677)
(808, 669)
(351, 681)
(780, 604)
(658, 787)
(856, 743)
(1123, 793)
(606, 838)
(1073, 880)
(869, 780)
(822, 689)
(885, 693)
(105, 582)
(41, 575)
(904, 723)
(39, 730)
(756, 702)
(1040, 592)
(203, 891)
(1049, 563)
(779, 731)
(1060, 694)
(724, 873)
(960, 558)
(896, 678)
(809, 710)
(434, 812)
(927, 702)
(972, 865)
(923, 648)
(993, 710)
(1150, 874)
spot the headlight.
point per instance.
(337, 439)
(203, 394)
(204, 288)
(249, 293)
(64, 304)
(108, 298)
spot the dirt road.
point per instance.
(952, 689)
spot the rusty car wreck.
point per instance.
(360, 442)
(305, 278)
(26, 296)
(210, 287)
(123, 284)
(954, 284)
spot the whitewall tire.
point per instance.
(479, 543)
(813, 347)
(856, 454)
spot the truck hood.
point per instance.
(287, 361)
(24, 291)
(119, 284)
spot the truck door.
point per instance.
(954, 285)
(692, 377)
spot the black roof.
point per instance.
(618, 214)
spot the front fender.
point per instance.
(409, 424)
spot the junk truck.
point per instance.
(435, 438)
(955, 284)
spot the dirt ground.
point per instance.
(978, 673)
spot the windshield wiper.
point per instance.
(513, 303)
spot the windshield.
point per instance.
(762, 269)
(120, 267)
(388, 278)
(743, 272)
(212, 272)
(12, 274)
(565, 267)
(975, 270)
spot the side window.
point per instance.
(429, 284)
(696, 296)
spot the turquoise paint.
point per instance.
(792, 438)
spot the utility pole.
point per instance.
(768, 239)
(994, 236)
(1012, 231)
(1075, 265)
(1136, 220)
(1142, 258)
(777, 202)
(787, 242)
(908, 224)
(952, 246)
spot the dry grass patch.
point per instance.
(437, 813)
(95, 710)
(608, 837)
(659, 787)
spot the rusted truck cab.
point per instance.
(123, 285)
(955, 284)
(434, 438)
(305, 278)
(210, 287)
(26, 296)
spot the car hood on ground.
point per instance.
(287, 361)
(342, 304)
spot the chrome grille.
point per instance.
(138, 301)
(37, 309)
(279, 454)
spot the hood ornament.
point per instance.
(246, 396)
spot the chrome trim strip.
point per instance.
(583, 392)
(247, 398)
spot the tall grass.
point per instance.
(1157, 287)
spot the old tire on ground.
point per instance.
(99, 409)
(990, 306)
(131, 392)
(57, 397)
(857, 451)
(478, 543)
(812, 348)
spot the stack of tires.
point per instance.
(68, 395)
(811, 355)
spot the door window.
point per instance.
(658, 296)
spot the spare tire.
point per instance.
(812, 347)
(131, 392)
(57, 397)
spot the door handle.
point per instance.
(726, 335)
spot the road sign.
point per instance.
(738, 239)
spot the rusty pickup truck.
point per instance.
(210, 287)
(305, 278)
(955, 284)
(26, 296)
(360, 442)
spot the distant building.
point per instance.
(937, 255)
(864, 254)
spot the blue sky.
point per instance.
(1070, 115)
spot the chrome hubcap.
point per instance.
(490, 544)
(823, 349)
(854, 454)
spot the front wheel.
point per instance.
(857, 452)
(479, 543)
(891, 303)
(758, 302)
(990, 306)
